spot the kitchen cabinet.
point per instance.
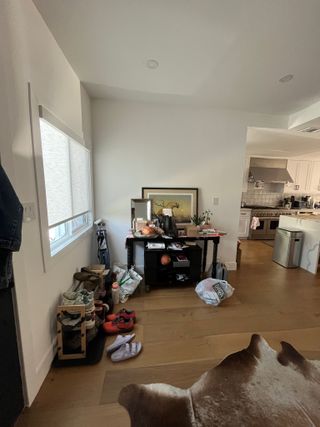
(244, 223)
(314, 177)
(300, 173)
(306, 176)
(245, 175)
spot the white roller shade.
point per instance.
(56, 166)
(80, 177)
(66, 165)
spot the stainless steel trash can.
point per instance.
(287, 247)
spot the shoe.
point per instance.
(78, 298)
(126, 351)
(118, 342)
(101, 311)
(117, 326)
(123, 313)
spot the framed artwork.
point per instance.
(182, 201)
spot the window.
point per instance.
(67, 179)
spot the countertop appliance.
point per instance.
(287, 247)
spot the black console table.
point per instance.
(215, 238)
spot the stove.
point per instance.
(270, 212)
(269, 221)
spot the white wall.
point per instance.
(29, 53)
(141, 144)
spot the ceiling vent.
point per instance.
(309, 129)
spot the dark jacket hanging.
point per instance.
(11, 213)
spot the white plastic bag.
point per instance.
(128, 281)
(213, 291)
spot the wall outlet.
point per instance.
(29, 212)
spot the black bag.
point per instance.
(221, 272)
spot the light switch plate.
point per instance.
(215, 200)
(29, 212)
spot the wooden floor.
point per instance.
(183, 337)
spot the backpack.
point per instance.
(221, 271)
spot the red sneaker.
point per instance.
(118, 326)
(123, 313)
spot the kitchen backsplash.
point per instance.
(267, 196)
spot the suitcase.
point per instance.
(220, 271)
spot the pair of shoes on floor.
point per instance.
(123, 348)
(120, 322)
(124, 313)
(119, 325)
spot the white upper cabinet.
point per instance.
(314, 177)
(292, 167)
(306, 176)
(300, 171)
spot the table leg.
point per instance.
(214, 259)
(130, 254)
(204, 259)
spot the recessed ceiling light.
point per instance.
(152, 64)
(287, 78)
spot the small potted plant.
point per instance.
(203, 220)
(198, 220)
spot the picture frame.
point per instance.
(183, 202)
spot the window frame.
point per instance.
(53, 253)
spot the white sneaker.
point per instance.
(126, 351)
(118, 342)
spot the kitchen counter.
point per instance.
(310, 225)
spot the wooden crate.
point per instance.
(72, 309)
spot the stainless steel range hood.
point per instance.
(269, 170)
(276, 175)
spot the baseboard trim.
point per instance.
(47, 357)
(231, 265)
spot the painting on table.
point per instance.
(182, 201)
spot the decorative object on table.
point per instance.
(207, 218)
(198, 219)
(182, 201)
(256, 386)
(140, 211)
(149, 230)
(203, 220)
(168, 225)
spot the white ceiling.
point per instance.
(263, 142)
(221, 53)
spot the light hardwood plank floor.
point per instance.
(182, 337)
